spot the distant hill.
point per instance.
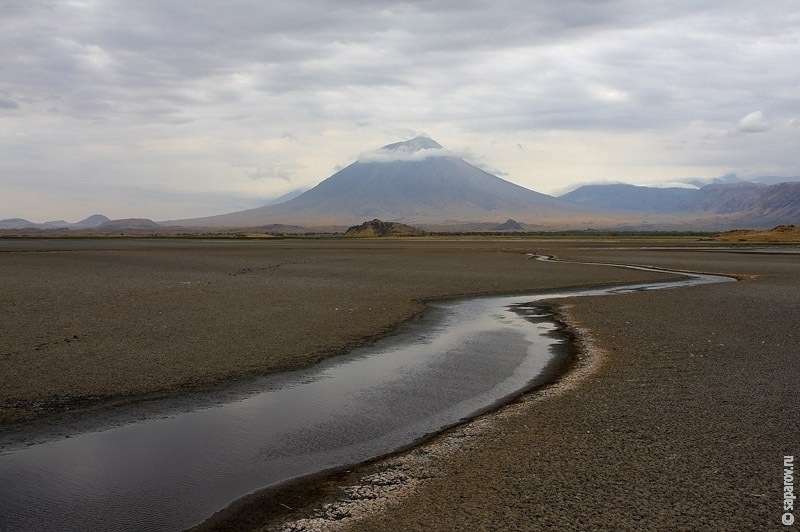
(733, 178)
(380, 228)
(92, 221)
(19, 223)
(781, 233)
(725, 199)
(743, 204)
(509, 225)
(775, 204)
(128, 223)
(413, 182)
(632, 198)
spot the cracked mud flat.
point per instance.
(442, 369)
(94, 322)
(723, 380)
(679, 420)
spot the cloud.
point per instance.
(753, 123)
(241, 97)
(385, 156)
(271, 171)
(7, 103)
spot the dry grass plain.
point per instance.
(676, 416)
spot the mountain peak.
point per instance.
(414, 145)
(416, 149)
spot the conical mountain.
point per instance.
(415, 182)
(92, 221)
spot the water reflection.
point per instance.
(172, 473)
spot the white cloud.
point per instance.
(383, 156)
(753, 123)
(673, 184)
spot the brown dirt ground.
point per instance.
(781, 234)
(676, 416)
(88, 321)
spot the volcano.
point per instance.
(414, 182)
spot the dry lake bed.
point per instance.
(676, 412)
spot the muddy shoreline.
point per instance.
(677, 420)
(296, 499)
(96, 323)
(473, 484)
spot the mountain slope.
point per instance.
(726, 199)
(620, 197)
(715, 206)
(415, 181)
(777, 204)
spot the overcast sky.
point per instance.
(172, 109)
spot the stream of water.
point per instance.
(174, 472)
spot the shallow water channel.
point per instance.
(172, 472)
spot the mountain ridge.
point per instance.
(92, 221)
(754, 205)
